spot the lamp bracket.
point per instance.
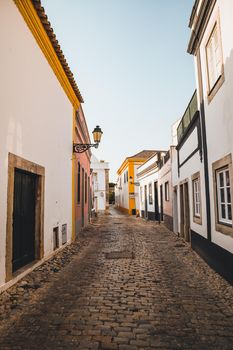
(83, 147)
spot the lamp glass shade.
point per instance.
(97, 133)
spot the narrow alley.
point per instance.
(127, 284)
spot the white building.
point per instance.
(100, 184)
(204, 180)
(155, 188)
(38, 98)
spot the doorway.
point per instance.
(145, 200)
(156, 208)
(161, 202)
(83, 198)
(23, 219)
(25, 214)
(184, 212)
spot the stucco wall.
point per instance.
(36, 123)
(219, 112)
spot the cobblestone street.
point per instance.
(127, 284)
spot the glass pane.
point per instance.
(228, 195)
(227, 178)
(221, 181)
(223, 211)
(229, 212)
(222, 195)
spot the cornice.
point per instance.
(200, 25)
(34, 23)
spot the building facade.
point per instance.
(82, 174)
(211, 43)
(155, 188)
(39, 100)
(204, 179)
(126, 191)
(100, 184)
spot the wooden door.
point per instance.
(161, 202)
(23, 219)
(156, 201)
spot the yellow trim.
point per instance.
(32, 19)
(73, 179)
(132, 203)
(136, 161)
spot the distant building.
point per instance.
(100, 184)
(155, 188)
(126, 192)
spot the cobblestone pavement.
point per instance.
(127, 284)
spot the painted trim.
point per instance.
(73, 178)
(33, 22)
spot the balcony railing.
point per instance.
(188, 116)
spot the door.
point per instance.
(184, 212)
(146, 210)
(161, 202)
(24, 219)
(156, 201)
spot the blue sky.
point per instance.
(129, 60)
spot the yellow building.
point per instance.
(127, 189)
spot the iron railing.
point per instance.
(188, 116)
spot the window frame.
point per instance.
(212, 90)
(217, 167)
(197, 218)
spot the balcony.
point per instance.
(188, 116)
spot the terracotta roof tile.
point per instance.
(49, 30)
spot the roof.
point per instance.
(144, 154)
(52, 37)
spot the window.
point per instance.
(79, 183)
(196, 198)
(224, 196)
(214, 59)
(196, 187)
(222, 180)
(167, 191)
(85, 187)
(150, 194)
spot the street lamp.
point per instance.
(83, 147)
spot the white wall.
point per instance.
(36, 123)
(219, 112)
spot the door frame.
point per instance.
(16, 162)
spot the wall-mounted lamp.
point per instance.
(133, 183)
(83, 147)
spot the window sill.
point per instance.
(226, 229)
(216, 87)
(197, 220)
